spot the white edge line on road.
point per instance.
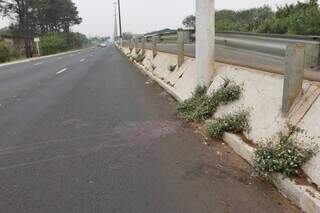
(82, 60)
(61, 71)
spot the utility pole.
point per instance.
(115, 35)
(205, 34)
(120, 25)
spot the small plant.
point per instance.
(200, 91)
(202, 106)
(282, 155)
(228, 92)
(236, 123)
(171, 68)
(4, 53)
(140, 57)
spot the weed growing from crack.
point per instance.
(236, 123)
(282, 154)
(202, 106)
(139, 57)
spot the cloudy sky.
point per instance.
(147, 15)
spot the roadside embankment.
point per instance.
(262, 96)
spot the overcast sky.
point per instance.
(141, 16)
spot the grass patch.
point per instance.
(236, 123)
(282, 155)
(202, 106)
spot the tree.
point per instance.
(39, 17)
(54, 15)
(189, 22)
(21, 11)
(301, 18)
(244, 20)
(127, 36)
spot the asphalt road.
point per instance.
(88, 133)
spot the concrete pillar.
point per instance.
(205, 37)
(180, 47)
(293, 75)
(154, 46)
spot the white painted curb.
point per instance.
(306, 197)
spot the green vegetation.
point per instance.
(202, 106)
(52, 43)
(301, 18)
(236, 123)
(282, 155)
(39, 18)
(242, 21)
(4, 53)
(139, 57)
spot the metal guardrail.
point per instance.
(270, 54)
(264, 44)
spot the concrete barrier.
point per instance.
(263, 97)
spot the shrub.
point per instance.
(202, 106)
(200, 91)
(4, 53)
(140, 57)
(15, 53)
(52, 43)
(234, 123)
(197, 107)
(283, 155)
(227, 93)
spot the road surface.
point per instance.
(88, 133)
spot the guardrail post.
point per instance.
(187, 36)
(143, 44)
(293, 75)
(205, 41)
(136, 45)
(154, 46)
(180, 46)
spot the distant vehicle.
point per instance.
(102, 45)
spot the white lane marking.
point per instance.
(61, 71)
(36, 64)
(82, 60)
